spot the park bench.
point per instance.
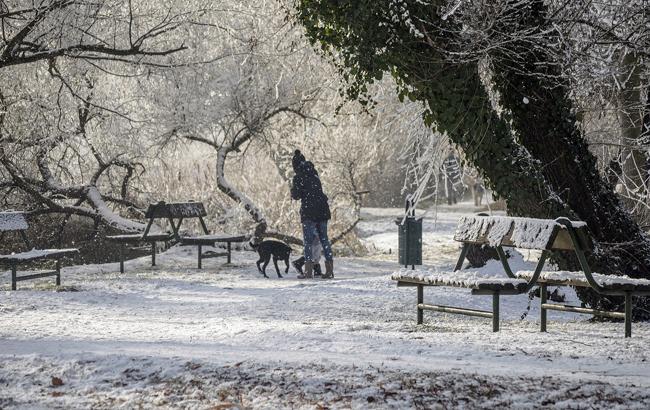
(16, 222)
(546, 235)
(212, 240)
(175, 213)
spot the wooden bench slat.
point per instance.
(609, 282)
(210, 254)
(139, 238)
(36, 275)
(211, 239)
(463, 279)
(35, 254)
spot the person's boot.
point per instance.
(298, 264)
(309, 268)
(317, 270)
(329, 270)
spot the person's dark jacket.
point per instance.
(307, 188)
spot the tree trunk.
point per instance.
(227, 188)
(533, 92)
(631, 121)
(542, 166)
(460, 107)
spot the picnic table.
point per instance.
(17, 222)
(175, 213)
(546, 235)
(212, 240)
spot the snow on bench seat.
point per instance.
(578, 278)
(471, 279)
(137, 237)
(211, 239)
(37, 254)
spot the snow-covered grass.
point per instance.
(179, 337)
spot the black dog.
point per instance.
(266, 249)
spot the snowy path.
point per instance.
(173, 335)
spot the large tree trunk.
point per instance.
(542, 166)
(532, 90)
(484, 138)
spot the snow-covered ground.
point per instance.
(174, 336)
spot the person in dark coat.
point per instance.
(314, 213)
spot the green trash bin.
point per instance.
(410, 241)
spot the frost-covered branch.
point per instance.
(75, 29)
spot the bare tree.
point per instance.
(128, 31)
(59, 61)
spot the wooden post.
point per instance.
(495, 311)
(122, 246)
(13, 276)
(229, 250)
(58, 272)
(153, 253)
(420, 301)
(200, 256)
(628, 314)
(203, 225)
(542, 313)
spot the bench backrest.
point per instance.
(526, 233)
(13, 221)
(176, 210)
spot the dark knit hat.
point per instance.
(297, 159)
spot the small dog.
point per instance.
(266, 249)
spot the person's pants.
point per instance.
(312, 229)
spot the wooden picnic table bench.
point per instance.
(547, 235)
(16, 222)
(212, 240)
(175, 213)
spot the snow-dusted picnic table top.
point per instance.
(528, 233)
(210, 239)
(579, 279)
(471, 279)
(37, 254)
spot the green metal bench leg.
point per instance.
(628, 314)
(495, 312)
(542, 313)
(58, 272)
(13, 276)
(228, 252)
(200, 257)
(153, 253)
(420, 301)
